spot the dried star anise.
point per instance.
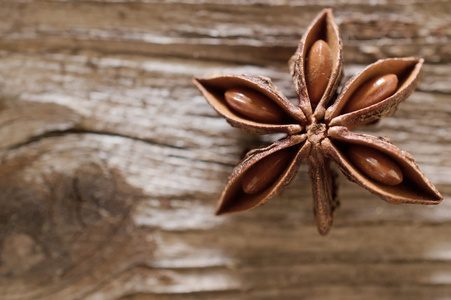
(319, 128)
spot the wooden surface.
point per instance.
(111, 162)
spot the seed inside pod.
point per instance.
(318, 70)
(254, 105)
(371, 92)
(265, 172)
(375, 164)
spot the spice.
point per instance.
(319, 128)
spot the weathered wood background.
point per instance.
(111, 162)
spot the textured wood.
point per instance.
(111, 162)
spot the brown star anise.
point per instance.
(319, 128)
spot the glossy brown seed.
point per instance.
(371, 92)
(254, 105)
(318, 70)
(265, 172)
(375, 164)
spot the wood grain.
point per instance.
(111, 162)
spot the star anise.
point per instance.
(319, 128)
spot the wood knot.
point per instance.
(61, 223)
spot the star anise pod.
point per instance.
(319, 129)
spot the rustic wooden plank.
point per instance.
(207, 30)
(189, 238)
(111, 162)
